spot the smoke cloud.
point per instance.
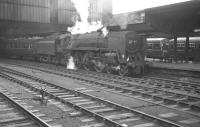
(83, 26)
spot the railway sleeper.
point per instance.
(19, 124)
(13, 120)
(195, 107)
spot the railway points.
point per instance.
(97, 93)
(15, 112)
(107, 118)
(54, 113)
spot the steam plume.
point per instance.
(84, 26)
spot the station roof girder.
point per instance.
(180, 19)
(176, 19)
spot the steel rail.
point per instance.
(132, 91)
(117, 87)
(135, 91)
(116, 76)
(141, 114)
(100, 117)
(128, 79)
(27, 113)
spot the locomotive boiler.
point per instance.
(118, 52)
(121, 52)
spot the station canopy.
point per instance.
(181, 19)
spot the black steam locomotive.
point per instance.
(118, 52)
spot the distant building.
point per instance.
(35, 17)
(100, 10)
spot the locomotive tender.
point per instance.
(48, 49)
(121, 52)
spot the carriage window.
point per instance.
(10, 44)
(13, 44)
(192, 45)
(26, 45)
(17, 44)
(180, 45)
(21, 45)
(156, 46)
(150, 46)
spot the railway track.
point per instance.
(15, 113)
(177, 73)
(182, 96)
(105, 112)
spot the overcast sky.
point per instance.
(121, 6)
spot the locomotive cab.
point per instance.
(62, 42)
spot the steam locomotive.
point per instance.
(118, 52)
(162, 48)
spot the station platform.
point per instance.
(194, 67)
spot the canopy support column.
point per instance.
(186, 48)
(175, 48)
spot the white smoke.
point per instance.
(105, 31)
(83, 26)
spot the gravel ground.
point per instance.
(179, 66)
(176, 71)
(73, 84)
(114, 97)
(174, 76)
(59, 117)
